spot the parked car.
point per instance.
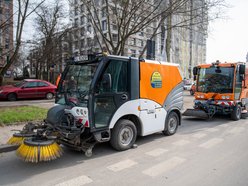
(187, 85)
(192, 89)
(28, 88)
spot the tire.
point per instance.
(49, 95)
(171, 124)
(236, 113)
(123, 135)
(12, 97)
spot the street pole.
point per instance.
(190, 39)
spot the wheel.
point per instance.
(12, 97)
(49, 95)
(171, 124)
(236, 113)
(123, 135)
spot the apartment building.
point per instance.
(6, 31)
(188, 44)
(86, 39)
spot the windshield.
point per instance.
(75, 83)
(216, 79)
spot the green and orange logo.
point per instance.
(156, 80)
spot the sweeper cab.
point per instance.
(221, 88)
(106, 99)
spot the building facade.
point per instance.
(188, 43)
(6, 31)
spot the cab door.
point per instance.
(112, 91)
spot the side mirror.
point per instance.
(195, 69)
(242, 69)
(22, 87)
(107, 82)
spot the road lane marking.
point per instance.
(212, 130)
(121, 165)
(199, 135)
(156, 152)
(82, 180)
(211, 143)
(163, 166)
(181, 142)
(236, 130)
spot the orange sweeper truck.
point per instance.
(105, 99)
(221, 88)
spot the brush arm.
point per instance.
(8, 148)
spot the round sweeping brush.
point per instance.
(36, 150)
(18, 138)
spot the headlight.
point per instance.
(225, 97)
(1, 91)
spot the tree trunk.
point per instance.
(1, 80)
(169, 32)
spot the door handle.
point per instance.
(124, 97)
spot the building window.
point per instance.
(65, 47)
(76, 22)
(76, 44)
(76, 11)
(97, 2)
(133, 53)
(104, 12)
(141, 43)
(82, 20)
(115, 37)
(104, 25)
(88, 18)
(133, 41)
(141, 33)
(76, 34)
(82, 8)
(89, 42)
(89, 28)
(82, 43)
(114, 26)
(82, 32)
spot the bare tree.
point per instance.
(50, 27)
(126, 18)
(24, 9)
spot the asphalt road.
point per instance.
(201, 153)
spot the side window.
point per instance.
(42, 84)
(31, 84)
(238, 85)
(115, 77)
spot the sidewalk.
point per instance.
(6, 133)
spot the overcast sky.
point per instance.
(228, 39)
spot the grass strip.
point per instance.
(13, 115)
